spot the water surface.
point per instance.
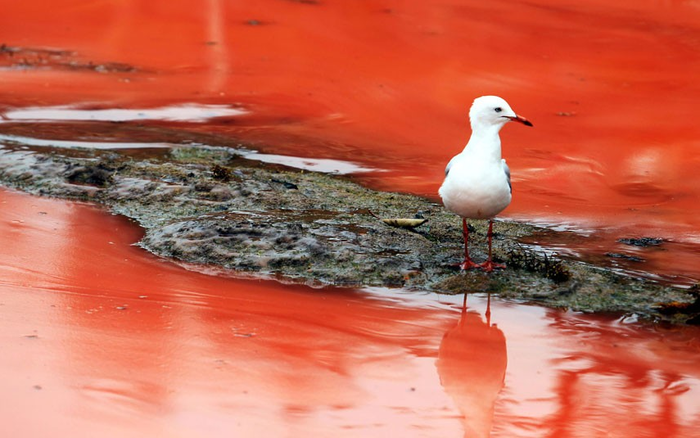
(101, 338)
(386, 85)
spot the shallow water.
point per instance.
(101, 338)
(387, 85)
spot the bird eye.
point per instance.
(499, 109)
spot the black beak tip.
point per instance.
(527, 123)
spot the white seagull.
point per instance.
(477, 180)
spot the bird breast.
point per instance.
(476, 189)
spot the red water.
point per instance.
(611, 88)
(102, 339)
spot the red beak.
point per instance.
(522, 120)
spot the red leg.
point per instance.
(488, 310)
(489, 265)
(468, 263)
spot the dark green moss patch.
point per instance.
(547, 266)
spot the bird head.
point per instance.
(493, 111)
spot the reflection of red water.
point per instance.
(121, 342)
(596, 379)
(611, 88)
(100, 338)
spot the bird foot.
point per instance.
(489, 266)
(468, 264)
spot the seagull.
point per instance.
(477, 180)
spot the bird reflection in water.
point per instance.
(472, 365)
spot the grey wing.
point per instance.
(506, 169)
(447, 169)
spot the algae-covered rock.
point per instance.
(206, 205)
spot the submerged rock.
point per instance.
(642, 241)
(205, 205)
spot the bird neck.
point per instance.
(485, 141)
